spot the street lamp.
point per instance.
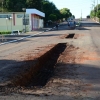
(24, 9)
(7, 23)
(11, 22)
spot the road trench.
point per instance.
(40, 73)
(49, 65)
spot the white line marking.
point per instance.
(23, 38)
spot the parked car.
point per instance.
(15, 32)
(71, 24)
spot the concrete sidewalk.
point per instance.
(8, 38)
(38, 30)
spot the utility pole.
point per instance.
(93, 5)
(24, 22)
(81, 14)
(90, 10)
(97, 5)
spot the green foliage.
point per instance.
(98, 14)
(73, 16)
(65, 13)
(52, 17)
(95, 8)
(92, 14)
(5, 32)
(43, 5)
(14, 5)
(34, 4)
(50, 8)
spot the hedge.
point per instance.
(5, 32)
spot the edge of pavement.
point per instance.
(28, 35)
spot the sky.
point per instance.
(77, 7)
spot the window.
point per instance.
(22, 15)
(5, 16)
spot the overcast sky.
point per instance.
(76, 6)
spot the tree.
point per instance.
(92, 13)
(14, 5)
(52, 17)
(65, 13)
(73, 16)
(45, 6)
(97, 6)
(34, 4)
(98, 14)
(50, 8)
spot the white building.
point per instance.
(30, 20)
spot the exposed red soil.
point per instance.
(87, 55)
(65, 77)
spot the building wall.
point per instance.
(19, 21)
(12, 22)
(15, 21)
(36, 22)
(5, 24)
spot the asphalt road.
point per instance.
(5, 39)
(87, 60)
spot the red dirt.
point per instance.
(65, 79)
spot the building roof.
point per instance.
(35, 11)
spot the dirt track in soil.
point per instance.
(64, 80)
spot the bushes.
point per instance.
(5, 32)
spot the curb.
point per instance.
(24, 37)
